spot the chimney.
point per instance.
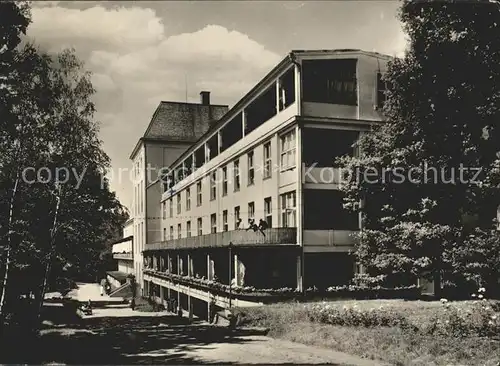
(205, 97)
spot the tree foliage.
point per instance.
(439, 149)
(57, 212)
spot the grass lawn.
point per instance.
(394, 344)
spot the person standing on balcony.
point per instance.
(252, 225)
(263, 226)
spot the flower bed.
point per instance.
(479, 318)
(348, 291)
(217, 286)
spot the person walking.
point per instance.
(103, 286)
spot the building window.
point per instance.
(381, 89)
(164, 233)
(251, 170)
(268, 211)
(198, 193)
(171, 232)
(237, 218)
(188, 199)
(224, 181)
(225, 227)
(188, 229)
(288, 145)
(179, 231)
(179, 203)
(199, 224)
(213, 223)
(251, 210)
(267, 160)
(213, 185)
(164, 209)
(236, 175)
(288, 209)
(171, 207)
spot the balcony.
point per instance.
(332, 240)
(247, 293)
(123, 256)
(241, 238)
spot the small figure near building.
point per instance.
(104, 282)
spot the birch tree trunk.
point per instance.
(48, 266)
(9, 252)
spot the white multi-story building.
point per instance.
(271, 159)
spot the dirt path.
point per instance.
(116, 335)
(265, 350)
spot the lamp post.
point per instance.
(230, 247)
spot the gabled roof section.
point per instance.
(180, 122)
(177, 121)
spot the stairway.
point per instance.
(124, 291)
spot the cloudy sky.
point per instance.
(142, 52)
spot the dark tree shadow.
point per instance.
(122, 340)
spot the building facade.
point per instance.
(252, 205)
(173, 128)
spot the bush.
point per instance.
(481, 319)
(147, 305)
(355, 317)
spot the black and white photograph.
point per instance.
(250, 182)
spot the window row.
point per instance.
(288, 207)
(288, 161)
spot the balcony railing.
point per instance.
(122, 256)
(269, 237)
(244, 293)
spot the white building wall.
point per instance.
(279, 182)
(138, 212)
(128, 229)
(126, 266)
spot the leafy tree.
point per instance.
(50, 228)
(442, 109)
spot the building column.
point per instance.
(298, 89)
(190, 264)
(219, 141)
(278, 82)
(190, 308)
(237, 271)
(178, 299)
(300, 284)
(161, 295)
(210, 268)
(179, 265)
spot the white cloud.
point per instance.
(135, 65)
(217, 43)
(124, 28)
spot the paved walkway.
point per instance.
(123, 336)
(92, 292)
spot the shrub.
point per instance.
(481, 319)
(355, 317)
